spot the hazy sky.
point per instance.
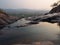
(30, 4)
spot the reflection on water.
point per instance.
(58, 24)
(33, 33)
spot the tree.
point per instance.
(56, 4)
(3, 12)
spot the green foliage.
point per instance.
(25, 15)
(3, 12)
(56, 4)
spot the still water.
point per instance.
(28, 34)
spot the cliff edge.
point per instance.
(55, 9)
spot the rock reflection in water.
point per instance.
(38, 43)
(1, 32)
(57, 42)
(29, 34)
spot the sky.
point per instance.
(26, 4)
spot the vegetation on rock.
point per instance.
(56, 7)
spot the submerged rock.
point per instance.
(33, 22)
(24, 25)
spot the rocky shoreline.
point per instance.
(52, 18)
(5, 20)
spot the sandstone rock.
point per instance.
(5, 19)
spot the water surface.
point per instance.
(31, 33)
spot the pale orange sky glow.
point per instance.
(27, 4)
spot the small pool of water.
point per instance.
(31, 33)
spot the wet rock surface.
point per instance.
(51, 18)
(55, 17)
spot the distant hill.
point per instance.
(25, 11)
